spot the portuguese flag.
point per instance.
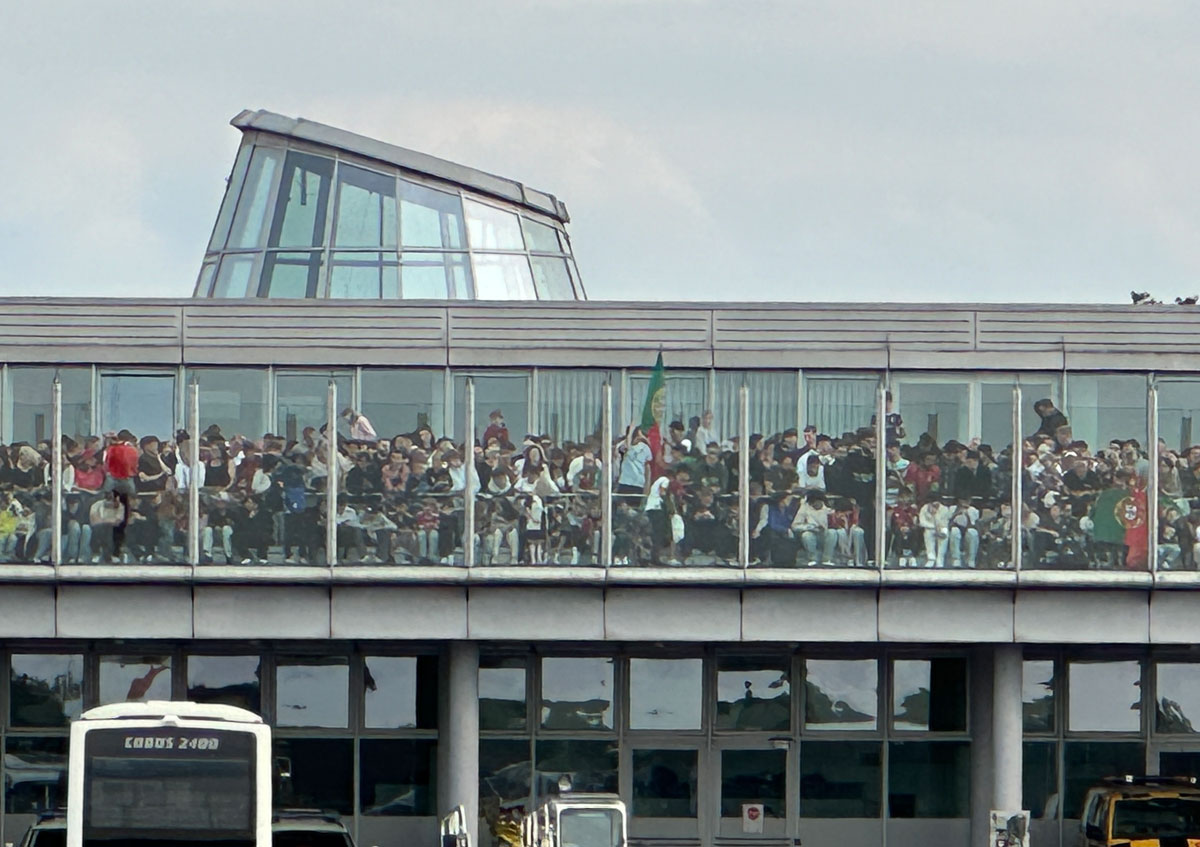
(654, 408)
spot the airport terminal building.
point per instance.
(832, 573)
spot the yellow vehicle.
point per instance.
(1141, 811)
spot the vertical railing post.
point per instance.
(744, 477)
(1017, 461)
(192, 459)
(1152, 483)
(56, 481)
(607, 469)
(881, 474)
(469, 463)
(331, 481)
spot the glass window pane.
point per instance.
(44, 689)
(1088, 762)
(143, 404)
(551, 279)
(235, 185)
(312, 693)
(366, 209)
(1179, 416)
(400, 691)
(754, 776)
(772, 400)
(540, 237)
(590, 765)
(396, 776)
(753, 694)
(577, 693)
(204, 282)
(570, 403)
(503, 277)
(665, 693)
(435, 276)
(1106, 407)
(35, 774)
(290, 275)
(491, 228)
(1039, 778)
(250, 219)
(364, 276)
(233, 400)
(505, 773)
(1104, 696)
(233, 280)
(839, 405)
(840, 779)
(930, 694)
(399, 402)
(430, 218)
(938, 409)
(322, 774)
(229, 680)
(501, 407)
(841, 694)
(1037, 695)
(502, 694)
(929, 779)
(31, 389)
(1177, 686)
(664, 783)
(301, 401)
(134, 679)
(303, 200)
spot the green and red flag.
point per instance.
(655, 407)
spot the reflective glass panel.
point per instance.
(577, 693)
(551, 280)
(502, 694)
(753, 694)
(1102, 408)
(501, 276)
(366, 209)
(290, 275)
(664, 783)
(400, 691)
(233, 278)
(144, 404)
(401, 401)
(505, 775)
(430, 218)
(929, 779)
(229, 680)
(665, 693)
(754, 776)
(1037, 695)
(1179, 416)
(396, 776)
(232, 399)
(303, 201)
(134, 679)
(841, 694)
(1039, 779)
(491, 228)
(772, 400)
(1088, 762)
(322, 774)
(840, 779)
(44, 689)
(571, 403)
(435, 276)
(312, 693)
(364, 276)
(1104, 696)
(938, 409)
(930, 694)
(590, 765)
(35, 774)
(250, 219)
(234, 186)
(31, 392)
(1177, 686)
(301, 402)
(540, 237)
(837, 405)
(501, 408)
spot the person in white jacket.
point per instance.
(811, 526)
(934, 520)
(964, 522)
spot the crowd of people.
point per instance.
(812, 498)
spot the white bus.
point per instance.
(166, 773)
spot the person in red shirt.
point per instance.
(925, 478)
(121, 464)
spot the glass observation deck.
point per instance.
(312, 212)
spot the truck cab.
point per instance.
(576, 820)
(1150, 811)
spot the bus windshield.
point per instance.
(589, 828)
(1157, 817)
(165, 785)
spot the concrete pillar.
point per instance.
(981, 744)
(1006, 727)
(459, 784)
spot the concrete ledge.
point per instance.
(395, 611)
(399, 574)
(263, 574)
(1177, 579)
(681, 575)
(137, 574)
(27, 611)
(816, 614)
(124, 611)
(1082, 616)
(536, 574)
(673, 614)
(262, 611)
(1085, 579)
(912, 614)
(867, 577)
(948, 577)
(1174, 617)
(543, 614)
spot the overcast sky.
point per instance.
(844, 150)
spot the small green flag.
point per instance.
(656, 398)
